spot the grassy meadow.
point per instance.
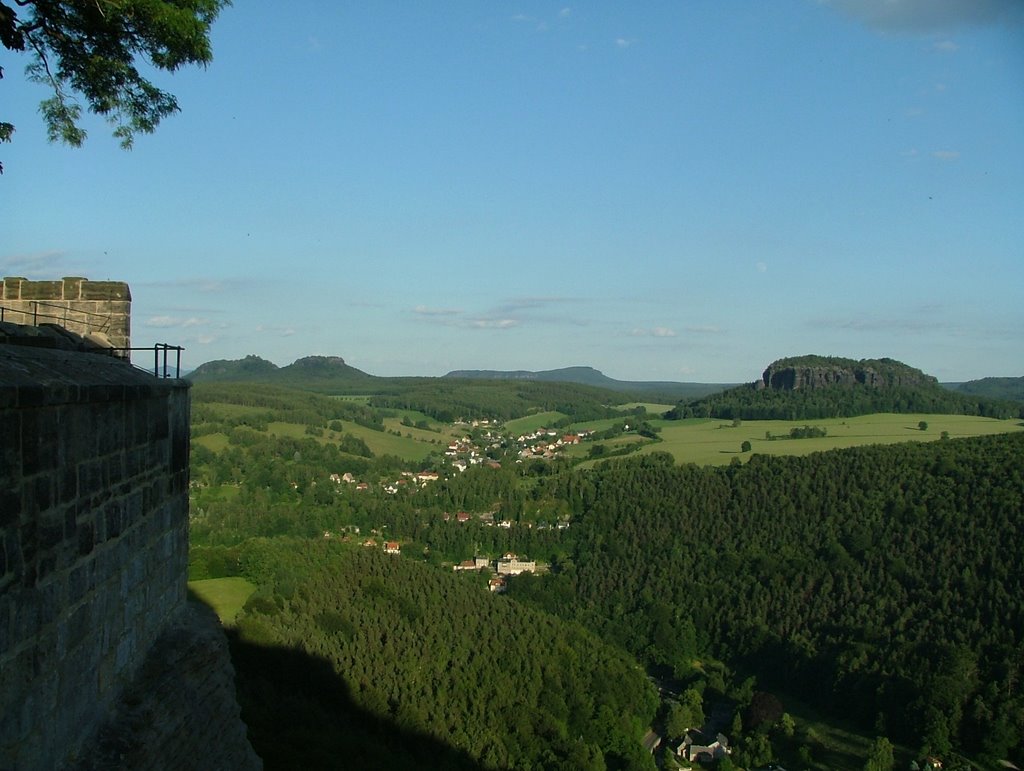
(531, 423)
(225, 595)
(715, 442)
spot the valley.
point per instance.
(806, 562)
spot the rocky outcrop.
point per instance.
(817, 372)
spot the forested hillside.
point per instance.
(653, 390)
(1009, 388)
(812, 387)
(449, 399)
(883, 583)
(433, 654)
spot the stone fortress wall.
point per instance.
(96, 310)
(103, 661)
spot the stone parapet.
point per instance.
(99, 310)
(93, 541)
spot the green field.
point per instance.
(716, 442)
(215, 442)
(653, 410)
(225, 595)
(379, 442)
(533, 422)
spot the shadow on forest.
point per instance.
(301, 716)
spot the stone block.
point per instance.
(41, 290)
(6, 636)
(91, 477)
(10, 507)
(67, 481)
(78, 625)
(125, 655)
(110, 429)
(81, 581)
(38, 441)
(25, 621)
(12, 549)
(49, 531)
(86, 538)
(113, 518)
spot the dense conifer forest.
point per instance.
(435, 654)
(882, 583)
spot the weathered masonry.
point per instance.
(96, 310)
(103, 662)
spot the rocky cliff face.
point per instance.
(821, 372)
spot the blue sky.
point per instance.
(663, 191)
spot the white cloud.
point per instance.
(705, 329)
(565, 13)
(946, 155)
(945, 46)
(624, 42)
(206, 339)
(493, 323)
(762, 267)
(653, 332)
(167, 322)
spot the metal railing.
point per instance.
(162, 354)
(62, 318)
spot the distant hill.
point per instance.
(311, 372)
(1011, 388)
(249, 368)
(445, 399)
(671, 390)
(809, 387)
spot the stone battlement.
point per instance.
(97, 310)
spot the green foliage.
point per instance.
(92, 49)
(880, 758)
(807, 432)
(510, 686)
(881, 580)
(684, 714)
(451, 399)
(1007, 388)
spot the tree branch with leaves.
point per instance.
(89, 51)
